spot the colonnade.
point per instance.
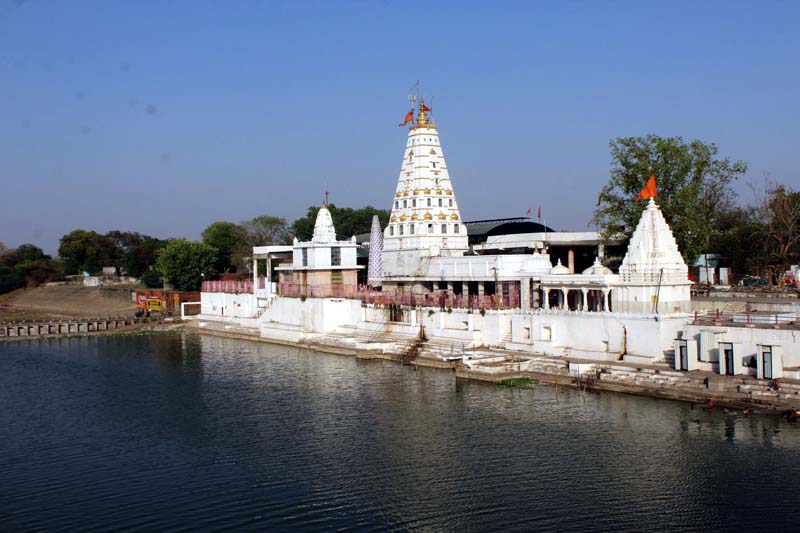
(582, 305)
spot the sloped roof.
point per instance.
(479, 230)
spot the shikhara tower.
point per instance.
(425, 220)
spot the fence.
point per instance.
(509, 299)
(233, 287)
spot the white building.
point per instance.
(322, 265)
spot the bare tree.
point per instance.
(779, 208)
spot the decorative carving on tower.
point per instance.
(375, 268)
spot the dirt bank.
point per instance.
(64, 301)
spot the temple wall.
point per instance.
(221, 304)
(638, 299)
(318, 315)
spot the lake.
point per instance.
(188, 431)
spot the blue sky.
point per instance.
(162, 117)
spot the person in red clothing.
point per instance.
(709, 404)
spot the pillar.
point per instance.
(585, 301)
(571, 260)
(525, 293)
(546, 294)
(564, 298)
(481, 288)
(255, 272)
(605, 299)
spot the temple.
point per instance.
(432, 280)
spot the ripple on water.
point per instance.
(194, 432)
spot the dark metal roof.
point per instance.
(479, 230)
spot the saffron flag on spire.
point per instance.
(409, 118)
(529, 210)
(426, 108)
(539, 212)
(649, 190)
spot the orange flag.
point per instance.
(409, 118)
(649, 190)
(426, 108)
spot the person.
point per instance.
(709, 404)
(774, 385)
(746, 411)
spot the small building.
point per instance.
(322, 266)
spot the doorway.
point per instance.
(766, 362)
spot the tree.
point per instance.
(79, 251)
(184, 263)
(346, 220)
(227, 238)
(263, 230)
(10, 279)
(780, 232)
(693, 189)
(26, 265)
(136, 253)
(739, 239)
(266, 230)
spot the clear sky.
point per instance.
(164, 116)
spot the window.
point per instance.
(429, 202)
(391, 231)
(456, 228)
(444, 228)
(405, 203)
(440, 202)
(411, 229)
(336, 256)
(305, 257)
(396, 204)
(451, 202)
(433, 163)
(414, 202)
(430, 228)
(401, 229)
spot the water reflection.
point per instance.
(243, 434)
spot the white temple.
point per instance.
(323, 261)
(430, 281)
(653, 277)
(425, 220)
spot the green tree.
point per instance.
(136, 253)
(227, 238)
(346, 220)
(694, 189)
(266, 230)
(79, 251)
(10, 279)
(26, 265)
(184, 263)
(739, 239)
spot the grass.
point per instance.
(515, 382)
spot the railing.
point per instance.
(509, 300)
(233, 287)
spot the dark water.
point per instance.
(190, 432)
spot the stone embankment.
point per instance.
(10, 331)
(496, 365)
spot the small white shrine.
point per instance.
(653, 277)
(323, 261)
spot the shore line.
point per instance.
(603, 377)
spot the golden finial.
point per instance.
(422, 118)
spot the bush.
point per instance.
(151, 280)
